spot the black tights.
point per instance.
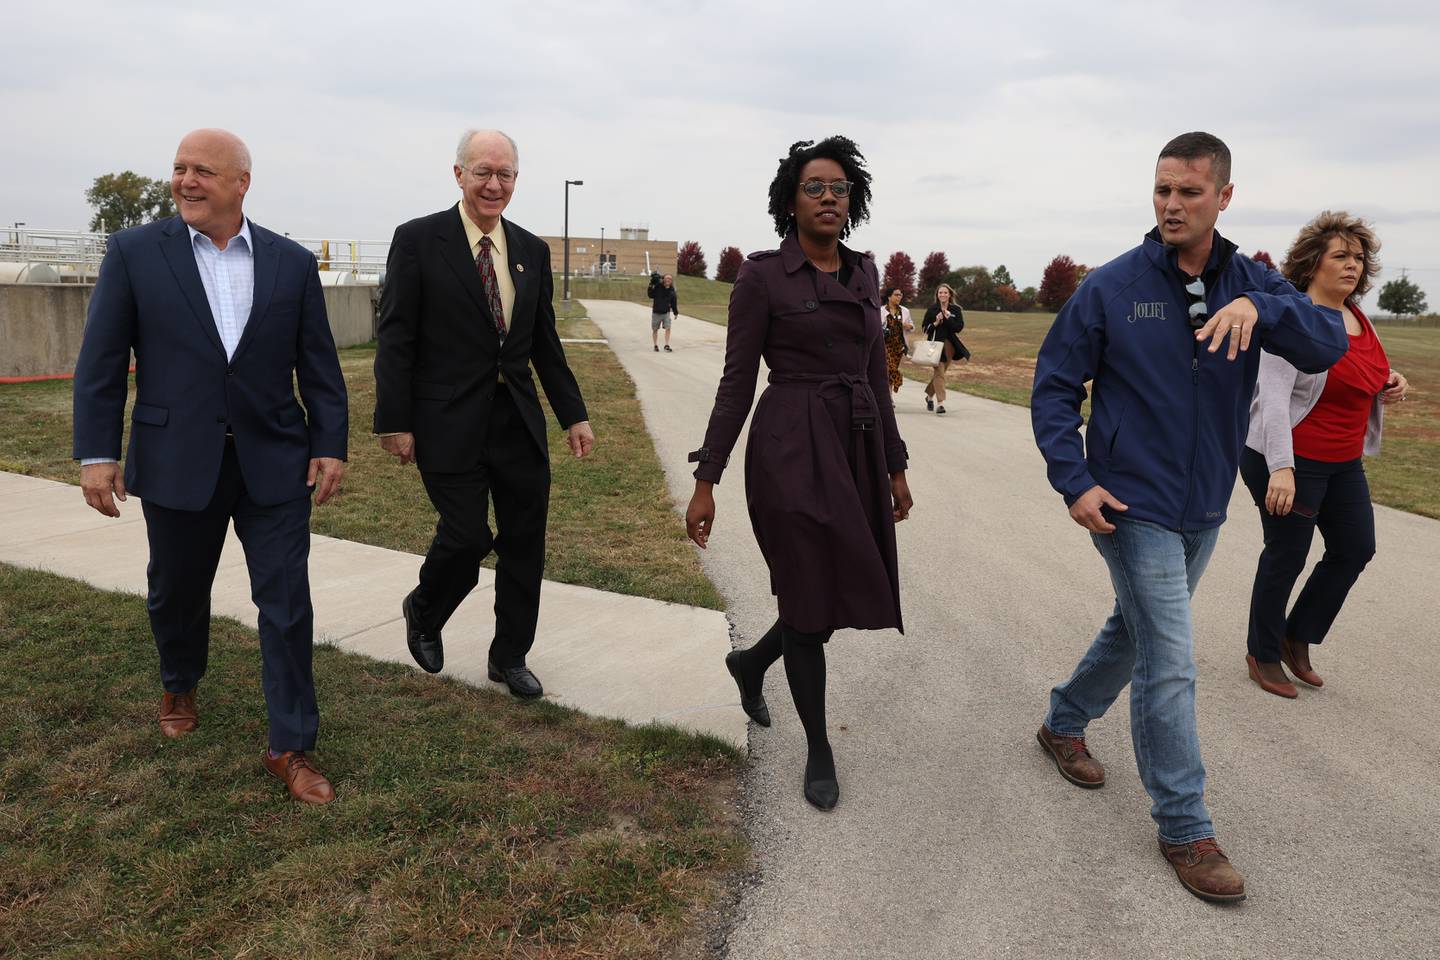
(804, 655)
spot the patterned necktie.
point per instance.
(486, 266)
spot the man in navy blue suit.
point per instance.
(221, 314)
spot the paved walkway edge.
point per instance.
(607, 654)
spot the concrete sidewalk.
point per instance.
(607, 654)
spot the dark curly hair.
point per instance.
(787, 179)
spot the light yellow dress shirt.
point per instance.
(498, 254)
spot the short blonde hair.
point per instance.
(1303, 258)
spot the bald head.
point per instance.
(208, 180)
(485, 141)
(221, 144)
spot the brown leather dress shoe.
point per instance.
(1304, 674)
(306, 784)
(1205, 871)
(178, 714)
(1072, 759)
(1286, 689)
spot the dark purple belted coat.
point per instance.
(823, 440)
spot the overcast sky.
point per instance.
(998, 133)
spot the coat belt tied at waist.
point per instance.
(863, 406)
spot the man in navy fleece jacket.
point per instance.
(1164, 332)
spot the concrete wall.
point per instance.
(41, 324)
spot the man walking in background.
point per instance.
(1156, 469)
(664, 307)
(466, 313)
(224, 317)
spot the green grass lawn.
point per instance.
(698, 297)
(466, 823)
(612, 525)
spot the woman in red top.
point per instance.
(1303, 457)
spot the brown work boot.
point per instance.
(1204, 870)
(178, 714)
(1072, 759)
(306, 784)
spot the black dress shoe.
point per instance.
(425, 645)
(822, 794)
(521, 682)
(755, 707)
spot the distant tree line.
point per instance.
(976, 287)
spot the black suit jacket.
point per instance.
(149, 298)
(948, 330)
(440, 357)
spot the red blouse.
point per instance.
(1334, 429)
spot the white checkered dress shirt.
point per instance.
(229, 279)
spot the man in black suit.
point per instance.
(464, 315)
(223, 317)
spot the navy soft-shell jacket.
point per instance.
(1167, 417)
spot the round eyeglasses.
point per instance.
(816, 188)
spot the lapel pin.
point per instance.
(520, 267)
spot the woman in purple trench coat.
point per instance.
(824, 463)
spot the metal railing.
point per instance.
(77, 254)
(364, 258)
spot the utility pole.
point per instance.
(565, 286)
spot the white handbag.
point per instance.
(929, 353)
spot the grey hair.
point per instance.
(464, 145)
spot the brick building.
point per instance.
(626, 254)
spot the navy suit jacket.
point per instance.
(149, 299)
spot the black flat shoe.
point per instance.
(755, 707)
(929, 404)
(939, 410)
(521, 682)
(425, 645)
(822, 794)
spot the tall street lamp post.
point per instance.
(565, 289)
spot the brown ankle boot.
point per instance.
(1204, 870)
(1072, 758)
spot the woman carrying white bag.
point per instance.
(943, 323)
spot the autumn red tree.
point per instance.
(1058, 282)
(690, 261)
(1007, 297)
(1261, 256)
(932, 274)
(899, 272)
(729, 266)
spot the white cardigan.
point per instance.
(1283, 397)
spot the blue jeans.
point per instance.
(1146, 643)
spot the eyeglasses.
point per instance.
(816, 188)
(483, 174)
(1195, 289)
